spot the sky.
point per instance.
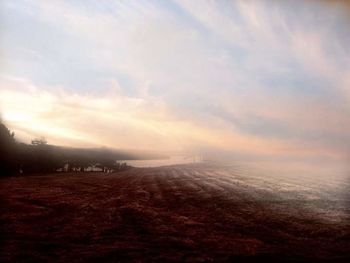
(251, 79)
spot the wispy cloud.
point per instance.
(256, 77)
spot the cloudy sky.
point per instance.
(253, 78)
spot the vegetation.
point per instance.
(8, 161)
(41, 157)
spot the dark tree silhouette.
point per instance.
(41, 157)
(8, 161)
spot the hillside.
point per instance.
(190, 213)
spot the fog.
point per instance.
(255, 82)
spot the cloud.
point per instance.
(243, 76)
(122, 122)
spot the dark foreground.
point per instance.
(193, 213)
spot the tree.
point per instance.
(40, 157)
(8, 161)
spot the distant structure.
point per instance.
(39, 141)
